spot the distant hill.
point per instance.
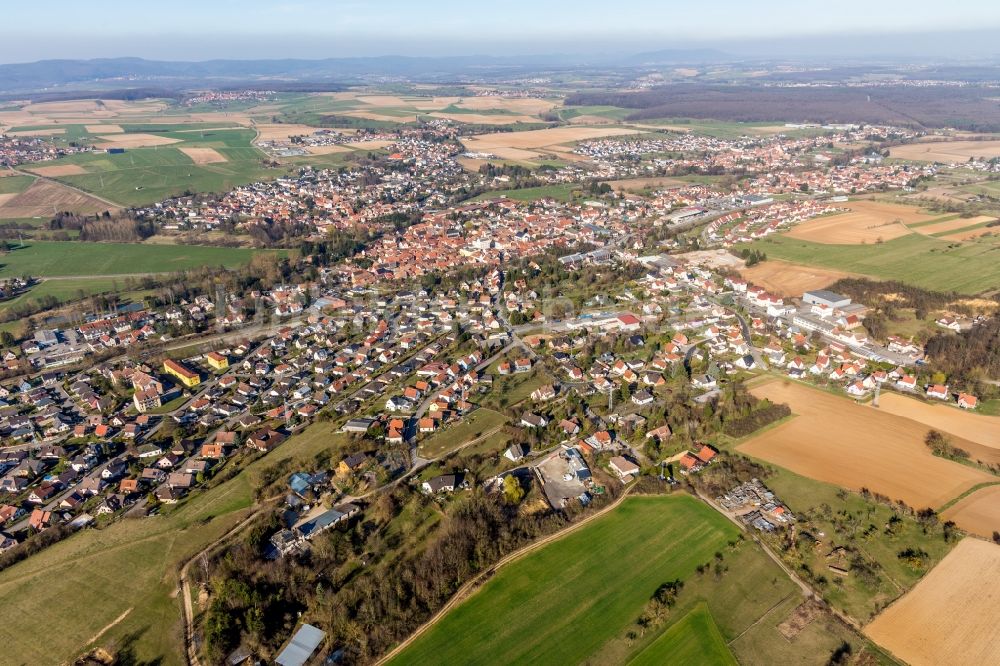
(680, 57)
(116, 73)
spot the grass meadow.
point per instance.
(694, 640)
(967, 268)
(68, 258)
(577, 599)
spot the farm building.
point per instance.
(825, 297)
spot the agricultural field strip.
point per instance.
(950, 616)
(866, 448)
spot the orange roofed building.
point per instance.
(186, 376)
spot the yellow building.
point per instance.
(217, 361)
(186, 377)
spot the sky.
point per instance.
(242, 29)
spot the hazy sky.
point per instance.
(193, 30)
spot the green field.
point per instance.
(613, 112)
(144, 175)
(968, 268)
(827, 508)
(66, 290)
(562, 603)
(576, 600)
(451, 437)
(15, 184)
(87, 581)
(726, 129)
(694, 640)
(53, 258)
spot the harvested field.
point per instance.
(483, 118)
(203, 155)
(470, 164)
(282, 131)
(546, 137)
(433, 103)
(971, 234)
(137, 140)
(4, 198)
(974, 427)
(237, 117)
(73, 106)
(514, 154)
(383, 101)
(137, 107)
(383, 117)
(58, 170)
(788, 279)
(527, 105)
(45, 197)
(635, 184)
(369, 145)
(867, 222)
(946, 151)
(714, 259)
(855, 446)
(39, 132)
(979, 513)
(954, 225)
(519, 145)
(591, 120)
(950, 616)
(327, 150)
(947, 192)
(104, 129)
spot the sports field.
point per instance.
(932, 263)
(596, 582)
(833, 439)
(950, 617)
(52, 258)
(694, 640)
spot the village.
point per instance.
(437, 337)
(128, 435)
